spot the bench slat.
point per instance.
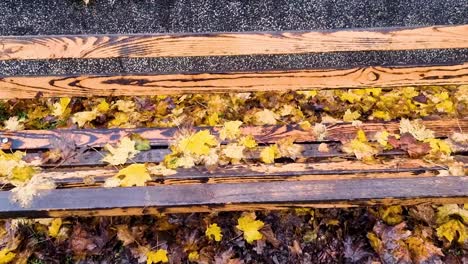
(233, 82)
(46, 139)
(239, 196)
(346, 169)
(226, 44)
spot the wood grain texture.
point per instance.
(45, 139)
(172, 84)
(227, 44)
(238, 196)
(323, 170)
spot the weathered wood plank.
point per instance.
(171, 84)
(45, 139)
(227, 44)
(324, 170)
(239, 196)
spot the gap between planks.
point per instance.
(323, 170)
(231, 44)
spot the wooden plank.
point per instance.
(45, 139)
(227, 44)
(238, 196)
(323, 170)
(172, 84)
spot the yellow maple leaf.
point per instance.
(193, 256)
(250, 227)
(103, 106)
(360, 147)
(266, 117)
(268, 154)
(124, 150)
(392, 215)
(13, 123)
(450, 229)
(60, 107)
(230, 130)
(196, 144)
(84, 117)
(214, 232)
(305, 125)
(382, 138)
(133, 175)
(445, 211)
(350, 96)
(384, 115)
(119, 119)
(158, 256)
(54, 227)
(22, 173)
(6, 256)
(350, 116)
(248, 141)
(439, 146)
(416, 129)
(308, 94)
(213, 119)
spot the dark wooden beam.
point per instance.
(239, 196)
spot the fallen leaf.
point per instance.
(6, 256)
(230, 130)
(268, 154)
(133, 175)
(54, 227)
(13, 123)
(452, 229)
(159, 256)
(213, 232)
(59, 108)
(38, 185)
(250, 227)
(118, 155)
(323, 147)
(266, 117)
(416, 129)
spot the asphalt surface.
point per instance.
(38, 17)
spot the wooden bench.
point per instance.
(317, 182)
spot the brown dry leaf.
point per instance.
(423, 251)
(270, 237)
(295, 249)
(409, 144)
(124, 235)
(323, 147)
(80, 241)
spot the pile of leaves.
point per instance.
(251, 108)
(392, 234)
(395, 234)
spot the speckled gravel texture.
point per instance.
(37, 17)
